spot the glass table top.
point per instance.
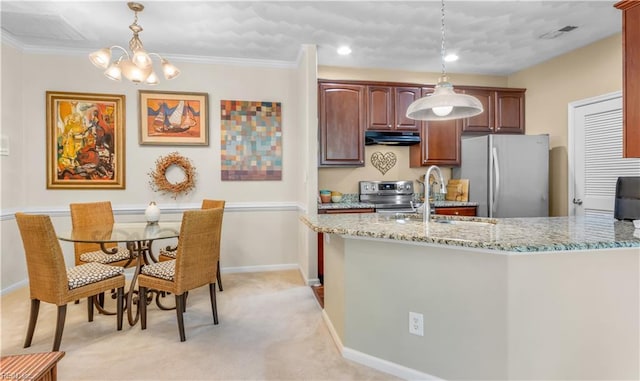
(123, 232)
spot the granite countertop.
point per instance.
(541, 234)
(351, 201)
(452, 204)
(346, 205)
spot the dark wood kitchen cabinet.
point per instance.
(503, 111)
(341, 115)
(457, 211)
(631, 76)
(387, 108)
(439, 142)
(348, 108)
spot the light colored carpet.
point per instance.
(270, 328)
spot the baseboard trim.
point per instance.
(386, 366)
(332, 331)
(260, 268)
(14, 287)
(372, 361)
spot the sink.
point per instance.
(408, 216)
(465, 222)
(401, 216)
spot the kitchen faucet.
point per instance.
(427, 190)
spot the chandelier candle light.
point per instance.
(444, 103)
(137, 67)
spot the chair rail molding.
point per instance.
(135, 209)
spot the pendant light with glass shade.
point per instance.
(137, 67)
(444, 103)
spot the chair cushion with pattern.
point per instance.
(169, 253)
(88, 273)
(101, 257)
(163, 270)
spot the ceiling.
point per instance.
(491, 37)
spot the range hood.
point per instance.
(391, 138)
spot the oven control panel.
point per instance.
(402, 187)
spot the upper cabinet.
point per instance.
(503, 111)
(439, 142)
(631, 76)
(347, 108)
(341, 115)
(387, 108)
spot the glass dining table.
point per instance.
(138, 238)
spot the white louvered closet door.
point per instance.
(598, 158)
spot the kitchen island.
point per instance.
(520, 298)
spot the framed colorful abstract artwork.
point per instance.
(174, 118)
(251, 140)
(85, 140)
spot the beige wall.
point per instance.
(307, 164)
(265, 211)
(585, 72)
(593, 70)
(345, 180)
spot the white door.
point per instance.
(595, 154)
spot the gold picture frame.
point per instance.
(85, 140)
(173, 118)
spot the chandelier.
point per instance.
(444, 103)
(137, 66)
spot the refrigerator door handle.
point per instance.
(496, 192)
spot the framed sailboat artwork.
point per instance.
(173, 118)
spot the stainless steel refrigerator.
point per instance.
(508, 174)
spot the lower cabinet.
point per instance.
(458, 211)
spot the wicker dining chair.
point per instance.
(169, 253)
(96, 213)
(50, 281)
(195, 264)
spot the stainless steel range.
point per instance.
(394, 196)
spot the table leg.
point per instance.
(138, 248)
(143, 257)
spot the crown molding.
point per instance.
(6, 39)
(247, 62)
(231, 61)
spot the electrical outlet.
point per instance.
(416, 323)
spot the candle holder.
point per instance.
(152, 213)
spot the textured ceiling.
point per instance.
(491, 37)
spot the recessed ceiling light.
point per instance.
(344, 50)
(451, 57)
